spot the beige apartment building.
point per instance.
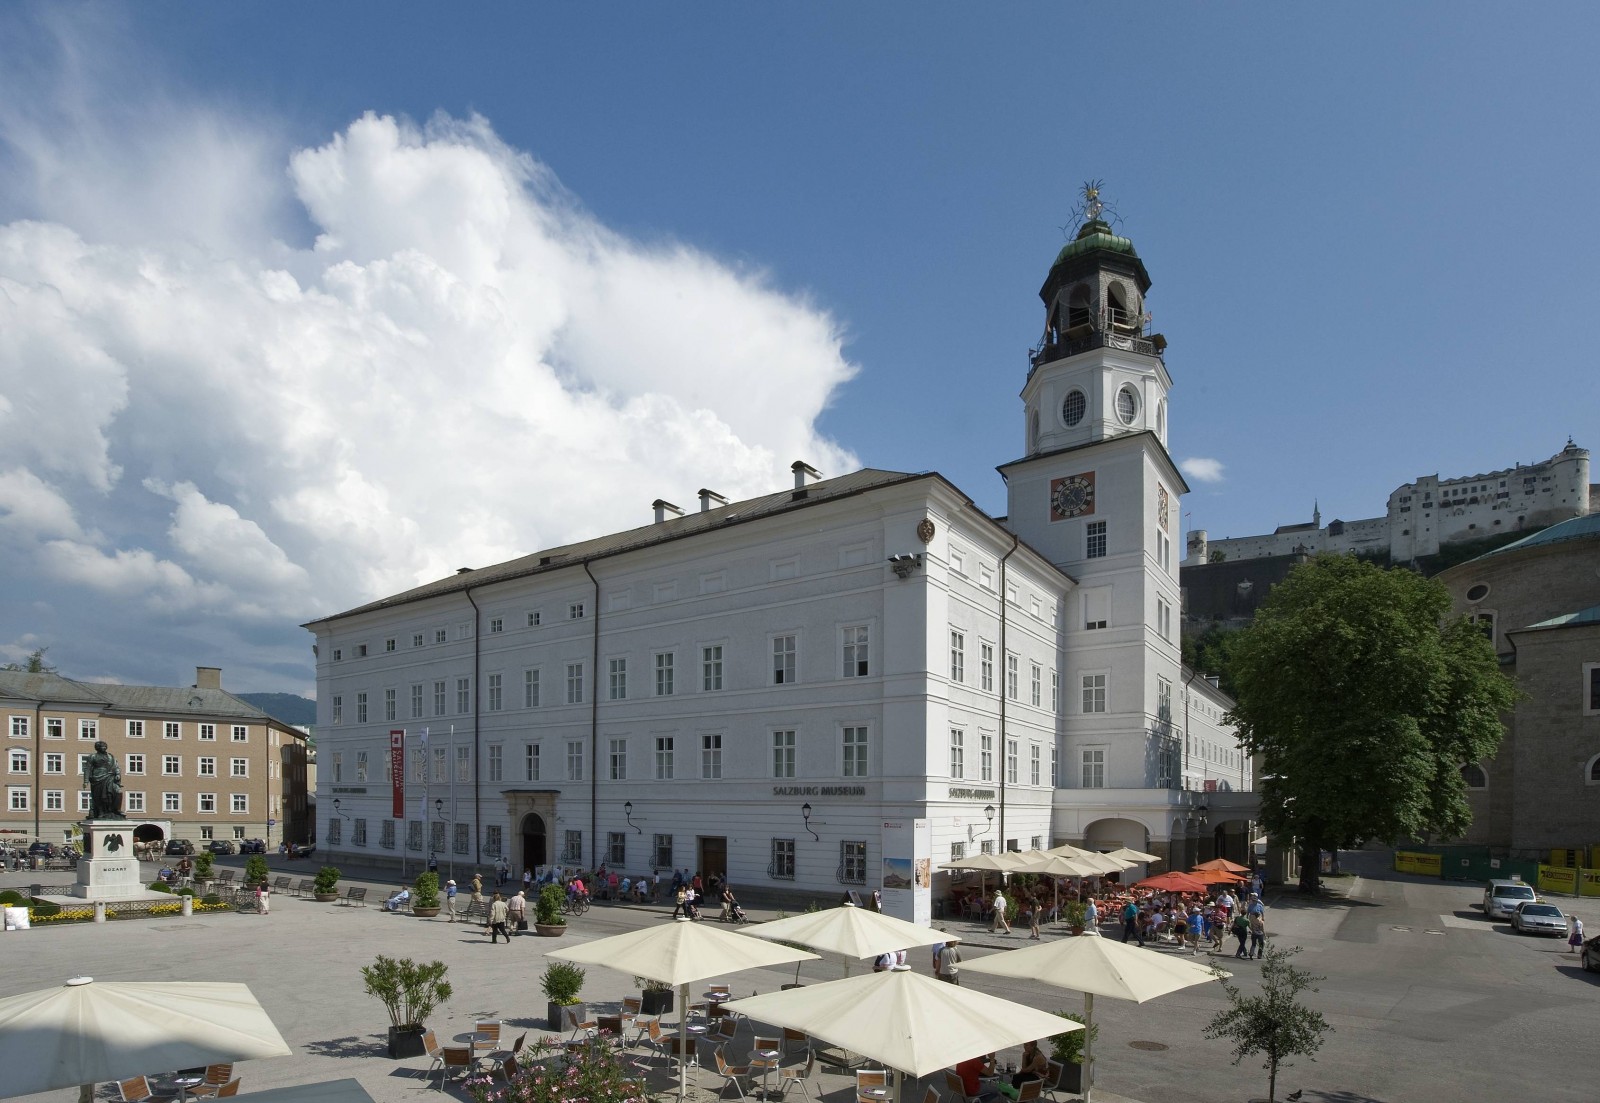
(197, 757)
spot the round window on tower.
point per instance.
(1127, 404)
(1073, 407)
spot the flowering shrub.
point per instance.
(64, 915)
(593, 1073)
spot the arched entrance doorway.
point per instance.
(533, 841)
(148, 841)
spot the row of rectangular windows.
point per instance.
(852, 868)
(1036, 773)
(855, 662)
(55, 727)
(958, 671)
(133, 801)
(55, 762)
(854, 759)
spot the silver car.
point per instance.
(1535, 918)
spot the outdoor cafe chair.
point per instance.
(932, 1095)
(957, 1090)
(454, 1057)
(870, 1078)
(731, 1074)
(216, 1077)
(799, 1074)
(791, 1035)
(570, 1021)
(1052, 1079)
(229, 1090)
(430, 1046)
(1030, 1090)
(137, 1090)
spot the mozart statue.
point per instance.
(104, 779)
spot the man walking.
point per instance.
(1130, 923)
(450, 899)
(498, 912)
(517, 912)
(1000, 906)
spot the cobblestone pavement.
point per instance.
(1417, 983)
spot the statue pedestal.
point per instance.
(108, 870)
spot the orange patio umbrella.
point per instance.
(1217, 876)
(1173, 882)
(1222, 864)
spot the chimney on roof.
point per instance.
(708, 497)
(464, 570)
(208, 677)
(663, 508)
(803, 474)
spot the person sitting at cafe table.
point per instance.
(1034, 1066)
(972, 1071)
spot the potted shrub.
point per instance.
(326, 885)
(562, 981)
(1068, 1049)
(255, 870)
(1076, 914)
(410, 993)
(203, 862)
(655, 996)
(547, 917)
(425, 901)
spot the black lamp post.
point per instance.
(805, 814)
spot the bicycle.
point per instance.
(576, 905)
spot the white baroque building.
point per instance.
(769, 688)
(1431, 513)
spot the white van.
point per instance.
(1501, 898)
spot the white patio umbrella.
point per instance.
(1049, 864)
(679, 954)
(1106, 863)
(1128, 854)
(87, 1032)
(848, 930)
(1096, 966)
(911, 1023)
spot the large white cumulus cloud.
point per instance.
(214, 429)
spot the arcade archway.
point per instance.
(534, 843)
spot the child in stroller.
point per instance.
(731, 911)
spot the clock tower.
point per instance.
(1097, 493)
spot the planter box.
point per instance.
(424, 913)
(325, 897)
(555, 1014)
(550, 930)
(406, 1041)
(1071, 1079)
(655, 1001)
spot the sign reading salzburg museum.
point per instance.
(819, 790)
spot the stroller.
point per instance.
(731, 911)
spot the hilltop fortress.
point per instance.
(1430, 513)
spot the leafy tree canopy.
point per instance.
(1273, 1022)
(1363, 702)
(35, 664)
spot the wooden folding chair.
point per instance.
(216, 1077)
(570, 1021)
(791, 1036)
(229, 1090)
(870, 1078)
(730, 1074)
(800, 1074)
(137, 1090)
(454, 1057)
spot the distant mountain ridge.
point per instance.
(290, 708)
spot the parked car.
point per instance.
(302, 850)
(1591, 955)
(1500, 898)
(42, 850)
(220, 846)
(252, 846)
(1532, 917)
(180, 846)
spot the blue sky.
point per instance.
(1369, 228)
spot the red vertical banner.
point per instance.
(397, 770)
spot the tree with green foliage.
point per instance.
(35, 664)
(1272, 1023)
(1363, 700)
(255, 869)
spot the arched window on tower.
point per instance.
(1117, 313)
(1474, 776)
(1161, 421)
(1052, 332)
(1080, 311)
(1033, 430)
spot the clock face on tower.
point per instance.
(1072, 496)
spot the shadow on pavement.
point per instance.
(1340, 1097)
(1577, 971)
(373, 1045)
